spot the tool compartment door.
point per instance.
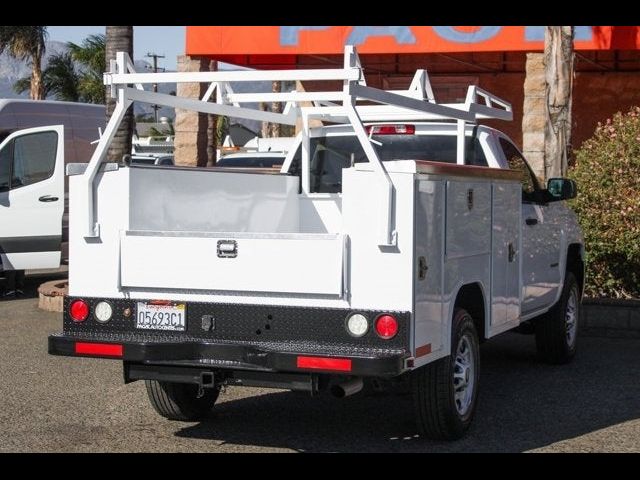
(505, 255)
(274, 263)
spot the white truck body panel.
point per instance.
(193, 266)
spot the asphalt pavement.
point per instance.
(60, 404)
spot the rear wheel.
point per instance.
(557, 330)
(180, 401)
(445, 391)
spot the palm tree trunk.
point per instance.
(37, 87)
(265, 128)
(558, 63)
(271, 130)
(276, 107)
(119, 39)
(212, 123)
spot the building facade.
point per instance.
(505, 60)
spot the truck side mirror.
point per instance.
(561, 189)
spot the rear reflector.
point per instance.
(391, 129)
(423, 350)
(323, 363)
(104, 349)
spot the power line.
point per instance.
(155, 57)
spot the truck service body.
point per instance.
(389, 244)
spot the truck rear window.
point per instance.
(251, 162)
(329, 155)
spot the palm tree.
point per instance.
(27, 43)
(60, 78)
(75, 76)
(119, 39)
(91, 56)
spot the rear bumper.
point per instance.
(268, 338)
(230, 356)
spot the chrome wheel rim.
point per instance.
(464, 375)
(571, 317)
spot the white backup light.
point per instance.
(103, 312)
(357, 325)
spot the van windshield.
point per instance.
(329, 155)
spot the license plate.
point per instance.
(161, 317)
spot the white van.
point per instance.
(37, 139)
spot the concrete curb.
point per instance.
(611, 317)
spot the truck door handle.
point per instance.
(531, 221)
(422, 268)
(48, 198)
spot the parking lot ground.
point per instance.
(59, 404)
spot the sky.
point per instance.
(167, 41)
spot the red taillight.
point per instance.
(391, 129)
(386, 326)
(79, 310)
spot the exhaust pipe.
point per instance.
(347, 388)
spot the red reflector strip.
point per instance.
(423, 350)
(323, 363)
(106, 349)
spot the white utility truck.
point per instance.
(392, 242)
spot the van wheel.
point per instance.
(179, 401)
(557, 330)
(445, 392)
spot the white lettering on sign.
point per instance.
(290, 35)
(359, 35)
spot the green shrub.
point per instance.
(607, 171)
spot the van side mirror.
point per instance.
(561, 189)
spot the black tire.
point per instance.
(436, 409)
(555, 343)
(179, 401)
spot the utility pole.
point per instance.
(155, 57)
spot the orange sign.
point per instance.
(285, 42)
